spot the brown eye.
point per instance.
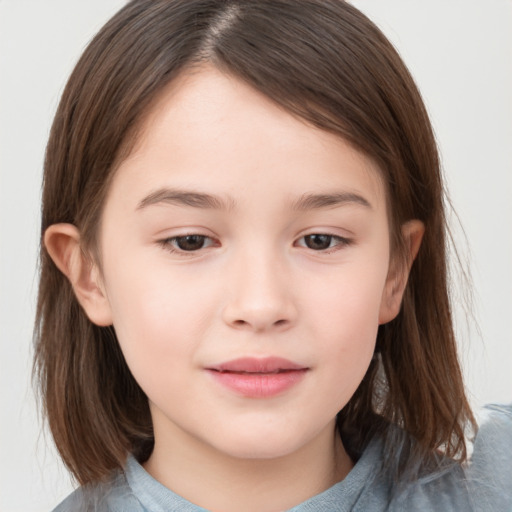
(323, 242)
(190, 242)
(318, 242)
(181, 245)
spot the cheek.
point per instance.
(345, 320)
(348, 300)
(158, 316)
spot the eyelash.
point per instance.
(171, 244)
(340, 242)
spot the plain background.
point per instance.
(460, 53)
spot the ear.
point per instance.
(412, 233)
(62, 241)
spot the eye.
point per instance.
(322, 242)
(187, 243)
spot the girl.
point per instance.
(243, 300)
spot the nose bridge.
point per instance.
(259, 296)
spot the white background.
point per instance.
(460, 53)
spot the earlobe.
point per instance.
(412, 233)
(62, 241)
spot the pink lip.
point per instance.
(258, 377)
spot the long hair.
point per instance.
(324, 62)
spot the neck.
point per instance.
(220, 482)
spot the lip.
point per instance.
(258, 377)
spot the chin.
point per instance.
(262, 445)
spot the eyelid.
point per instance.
(167, 243)
(342, 242)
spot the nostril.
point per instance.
(244, 323)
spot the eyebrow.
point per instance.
(202, 200)
(317, 201)
(185, 198)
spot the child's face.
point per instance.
(287, 256)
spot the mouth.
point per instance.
(258, 377)
(253, 365)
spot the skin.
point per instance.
(255, 288)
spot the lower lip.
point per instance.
(259, 385)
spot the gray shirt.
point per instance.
(484, 484)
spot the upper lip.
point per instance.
(257, 365)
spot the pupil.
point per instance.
(190, 242)
(318, 242)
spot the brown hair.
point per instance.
(324, 62)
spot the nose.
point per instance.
(259, 295)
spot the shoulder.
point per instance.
(483, 484)
(490, 468)
(114, 495)
(492, 447)
(443, 489)
(495, 429)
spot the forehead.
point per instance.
(210, 128)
